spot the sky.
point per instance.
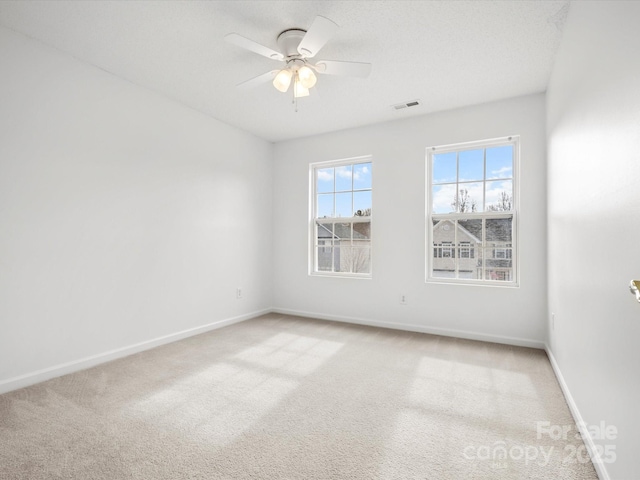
(470, 173)
(343, 190)
(348, 188)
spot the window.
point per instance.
(472, 212)
(341, 219)
(465, 250)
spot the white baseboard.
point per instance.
(600, 467)
(88, 362)
(521, 342)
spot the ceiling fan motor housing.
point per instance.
(289, 40)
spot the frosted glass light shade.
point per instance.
(307, 77)
(283, 80)
(299, 90)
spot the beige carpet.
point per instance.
(283, 397)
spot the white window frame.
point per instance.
(513, 140)
(313, 167)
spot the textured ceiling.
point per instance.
(446, 53)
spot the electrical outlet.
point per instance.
(238, 292)
(403, 299)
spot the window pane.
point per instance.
(340, 264)
(499, 196)
(362, 260)
(498, 274)
(443, 252)
(469, 261)
(500, 162)
(444, 168)
(444, 267)
(343, 178)
(344, 207)
(324, 233)
(469, 198)
(355, 259)
(498, 231)
(479, 274)
(342, 233)
(324, 258)
(324, 180)
(498, 256)
(362, 203)
(471, 165)
(467, 255)
(470, 231)
(362, 176)
(444, 231)
(443, 198)
(325, 205)
(468, 274)
(361, 231)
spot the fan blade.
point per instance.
(319, 33)
(255, 47)
(259, 80)
(349, 69)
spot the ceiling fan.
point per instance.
(297, 46)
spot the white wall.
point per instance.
(125, 216)
(594, 219)
(398, 150)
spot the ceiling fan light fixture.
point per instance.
(283, 80)
(299, 90)
(296, 46)
(307, 77)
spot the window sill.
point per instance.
(341, 275)
(477, 283)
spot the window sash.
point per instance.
(451, 257)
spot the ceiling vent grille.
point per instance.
(412, 103)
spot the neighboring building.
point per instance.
(349, 246)
(462, 250)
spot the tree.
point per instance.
(354, 260)
(504, 203)
(363, 213)
(463, 203)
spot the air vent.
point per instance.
(400, 106)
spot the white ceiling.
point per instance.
(446, 53)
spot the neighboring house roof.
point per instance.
(461, 228)
(497, 229)
(343, 231)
